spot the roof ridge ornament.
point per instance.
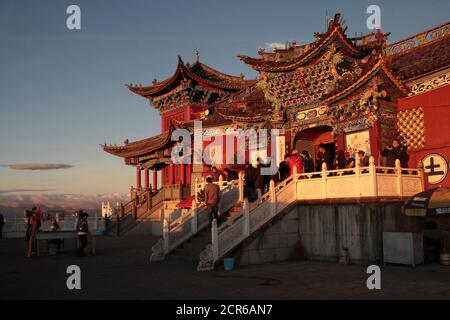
(197, 56)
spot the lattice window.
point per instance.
(411, 127)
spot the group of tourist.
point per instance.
(304, 163)
(256, 183)
(33, 219)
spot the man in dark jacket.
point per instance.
(394, 152)
(230, 175)
(363, 160)
(212, 198)
(308, 162)
(216, 173)
(82, 231)
(284, 169)
(260, 179)
(323, 155)
(249, 180)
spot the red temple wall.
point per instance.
(436, 105)
(183, 113)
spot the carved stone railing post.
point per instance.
(215, 240)
(202, 182)
(194, 217)
(373, 177)
(295, 173)
(398, 172)
(196, 189)
(220, 182)
(273, 199)
(241, 186)
(165, 233)
(294, 181)
(324, 181)
(149, 200)
(122, 211)
(357, 177)
(421, 175)
(246, 231)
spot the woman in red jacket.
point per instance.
(296, 161)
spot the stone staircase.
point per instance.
(355, 183)
(143, 225)
(138, 215)
(190, 250)
(186, 225)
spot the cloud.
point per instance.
(38, 166)
(60, 201)
(275, 45)
(24, 190)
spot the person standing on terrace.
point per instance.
(296, 161)
(216, 173)
(284, 169)
(212, 199)
(363, 160)
(394, 152)
(82, 231)
(323, 155)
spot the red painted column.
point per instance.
(188, 173)
(183, 174)
(288, 141)
(171, 174)
(138, 178)
(340, 139)
(146, 179)
(375, 141)
(155, 179)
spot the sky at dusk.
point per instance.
(63, 91)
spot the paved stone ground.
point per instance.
(121, 270)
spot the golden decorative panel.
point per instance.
(411, 127)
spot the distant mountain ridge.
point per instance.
(15, 204)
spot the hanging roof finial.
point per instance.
(197, 56)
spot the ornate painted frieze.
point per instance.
(428, 84)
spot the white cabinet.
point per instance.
(403, 247)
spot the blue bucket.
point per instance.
(228, 264)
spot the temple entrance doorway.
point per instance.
(310, 139)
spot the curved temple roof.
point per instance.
(140, 147)
(198, 73)
(335, 31)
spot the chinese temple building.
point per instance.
(349, 93)
(344, 93)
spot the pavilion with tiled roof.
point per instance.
(337, 90)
